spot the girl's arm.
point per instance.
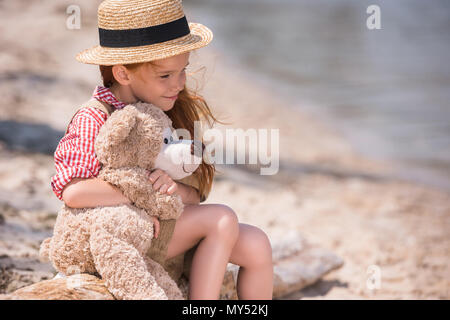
(92, 192)
(188, 194)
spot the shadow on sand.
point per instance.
(29, 137)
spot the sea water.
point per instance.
(386, 90)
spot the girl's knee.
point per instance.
(226, 222)
(258, 247)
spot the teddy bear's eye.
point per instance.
(166, 141)
(171, 139)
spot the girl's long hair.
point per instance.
(188, 108)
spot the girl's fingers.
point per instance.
(163, 188)
(158, 182)
(156, 227)
(162, 182)
(156, 185)
(172, 188)
(154, 175)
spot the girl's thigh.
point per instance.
(194, 224)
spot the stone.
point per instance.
(76, 287)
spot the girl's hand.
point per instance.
(155, 226)
(162, 181)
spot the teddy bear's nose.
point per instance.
(194, 147)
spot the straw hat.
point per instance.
(132, 31)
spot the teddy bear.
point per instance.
(112, 242)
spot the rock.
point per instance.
(228, 290)
(303, 269)
(76, 287)
(297, 264)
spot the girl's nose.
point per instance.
(180, 86)
(180, 82)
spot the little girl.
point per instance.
(143, 53)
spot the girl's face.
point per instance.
(160, 81)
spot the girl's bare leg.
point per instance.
(253, 253)
(216, 227)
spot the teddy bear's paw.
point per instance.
(44, 250)
(169, 207)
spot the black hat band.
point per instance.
(144, 36)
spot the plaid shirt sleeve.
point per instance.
(75, 154)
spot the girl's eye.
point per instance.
(168, 75)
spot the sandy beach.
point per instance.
(324, 189)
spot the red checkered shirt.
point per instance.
(75, 155)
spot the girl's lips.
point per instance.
(172, 98)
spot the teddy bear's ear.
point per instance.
(117, 127)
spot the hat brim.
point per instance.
(199, 37)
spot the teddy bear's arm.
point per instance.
(134, 184)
